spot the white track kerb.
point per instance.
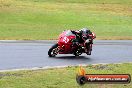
(54, 67)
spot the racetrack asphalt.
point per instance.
(29, 54)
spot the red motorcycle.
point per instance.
(65, 45)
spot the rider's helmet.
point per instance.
(85, 33)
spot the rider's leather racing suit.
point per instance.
(81, 39)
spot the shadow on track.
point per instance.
(72, 57)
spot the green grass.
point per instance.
(46, 19)
(62, 78)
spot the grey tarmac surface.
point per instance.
(29, 54)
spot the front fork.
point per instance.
(56, 50)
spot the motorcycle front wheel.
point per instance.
(53, 51)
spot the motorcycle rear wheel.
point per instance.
(77, 52)
(53, 51)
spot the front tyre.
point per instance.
(53, 51)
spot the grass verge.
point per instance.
(62, 77)
(46, 19)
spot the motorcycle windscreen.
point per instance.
(66, 36)
(65, 41)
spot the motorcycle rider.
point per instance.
(83, 35)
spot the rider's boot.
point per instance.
(88, 50)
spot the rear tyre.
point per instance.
(53, 51)
(78, 52)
